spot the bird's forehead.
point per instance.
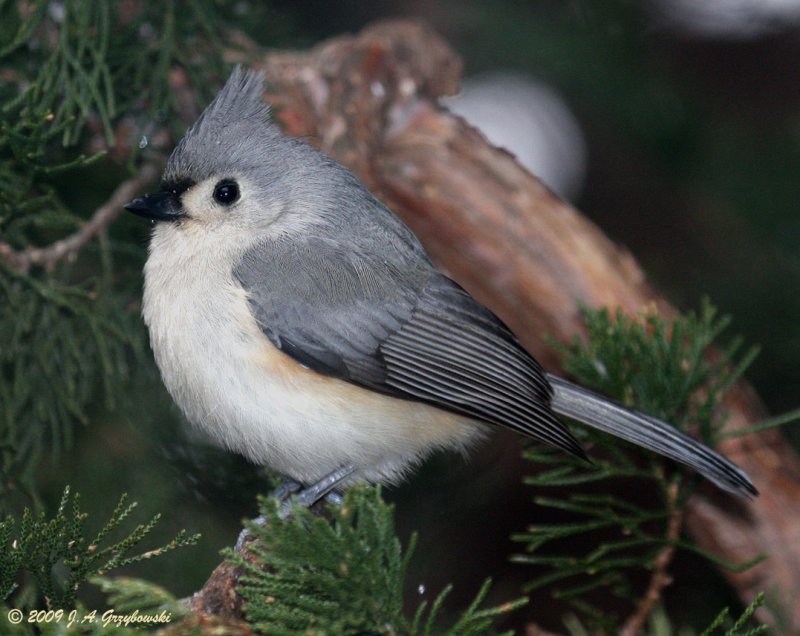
(236, 150)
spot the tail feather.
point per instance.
(647, 432)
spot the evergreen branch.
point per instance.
(62, 341)
(671, 370)
(660, 578)
(473, 622)
(772, 422)
(25, 28)
(739, 627)
(345, 575)
(736, 567)
(44, 548)
(66, 248)
(127, 594)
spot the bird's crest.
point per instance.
(228, 131)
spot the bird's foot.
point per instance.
(325, 488)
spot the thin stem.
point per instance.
(102, 217)
(660, 578)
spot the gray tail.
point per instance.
(647, 432)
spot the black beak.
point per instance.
(164, 206)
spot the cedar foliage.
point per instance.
(79, 79)
(58, 556)
(668, 369)
(343, 576)
(85, 85)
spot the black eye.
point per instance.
(226, 192)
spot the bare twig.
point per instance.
(660, 578)
(68, 247)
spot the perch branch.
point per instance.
(102, 217)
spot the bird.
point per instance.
(298, 321)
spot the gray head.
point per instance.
(236, 174)
(235, 180)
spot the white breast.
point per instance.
(230, 381)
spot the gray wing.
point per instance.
(397, 326)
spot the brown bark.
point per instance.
(370, 102)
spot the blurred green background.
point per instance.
(689, 155)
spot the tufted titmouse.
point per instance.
(298, 321)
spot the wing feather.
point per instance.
(400, 327)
